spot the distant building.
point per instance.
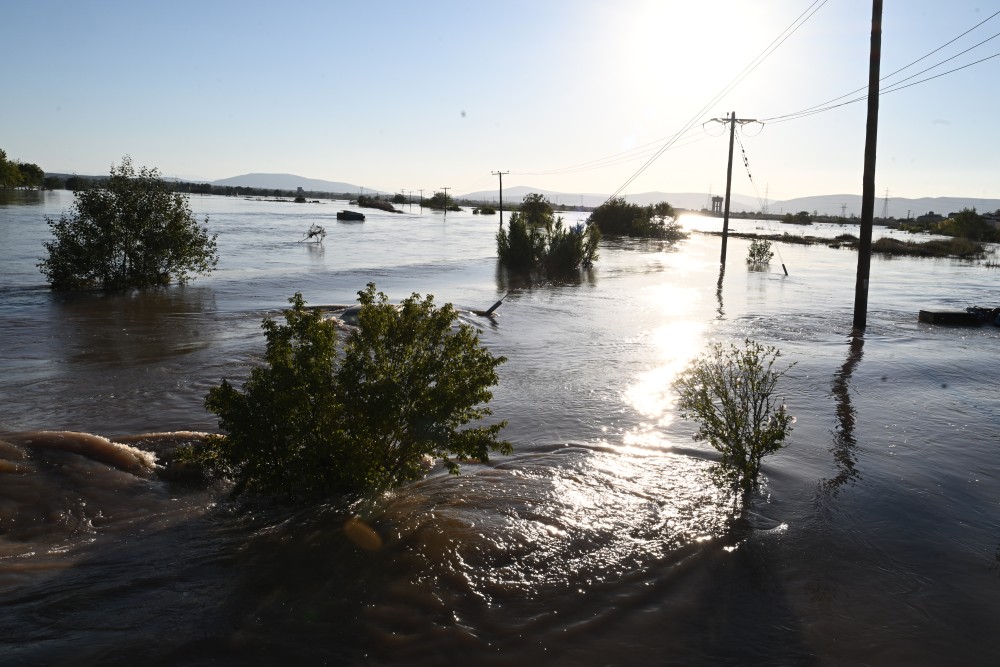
(717, 204)
(930, 217)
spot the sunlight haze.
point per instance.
(571, 97)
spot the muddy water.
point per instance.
(600, 541)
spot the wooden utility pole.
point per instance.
(500, 174)
(732, 120)
(446, 201)
(868, 179)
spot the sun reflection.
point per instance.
(672, 348)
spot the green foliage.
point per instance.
(310, 424)
(535, 239)
(956, 247)
(760, 253)
(730, 393)
(374, 202)
(535, 209)
(617, 217)
(521, 246)
(800, 218)
(441, 201)
(127, 231)
(968, 224)
(32, 175)
(10, 175)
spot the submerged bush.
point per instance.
(309, 424)
(760, 253)
(617, 217)
(536, 239)
(730, 393)
(130, 230)
(954, 247)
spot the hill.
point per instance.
(291, 182)
(898, 207)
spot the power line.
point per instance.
(829, 104)
(666, 143)
(745, 72)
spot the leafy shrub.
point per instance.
(535, 239)
(967, 224)
(955, 247)
(760, 253)
(309, 424)
(730, 393)
(521, 246)
(617, 217)
(128, 231)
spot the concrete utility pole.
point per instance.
(732, 120)
(500, 174)
(868, 179)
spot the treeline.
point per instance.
(17, 174)
(60, 182)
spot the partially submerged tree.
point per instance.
(310, 424)
(968, 224)
(617, 217)
(128, 231)
(536, 239)
(759, 253)
(441, 201)
(730, 392)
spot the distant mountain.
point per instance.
(898, 207)
(291, 182)
(688, 200)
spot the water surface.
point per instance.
(601, 540)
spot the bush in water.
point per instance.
(617, 217)
(130, 230)
(730, 393)
(760, 253)
(309, 424)
(536, 239)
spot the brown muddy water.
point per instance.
(600, 541)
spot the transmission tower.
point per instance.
(885, 205)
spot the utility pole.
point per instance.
(421, 200)
(868, 179)
(732, 120)
(500, 174)
(446, 202)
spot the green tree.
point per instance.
(536, 239)
(10, 175)
(311, 423)
(536, 209)
(617, 217)
(968, 224)
(32, 175)
(127, 231)
(759, 253)
(441, 201)
(730, 392)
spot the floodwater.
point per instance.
(600, 541)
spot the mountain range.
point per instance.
(836, 204)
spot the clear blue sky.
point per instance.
(410, 95)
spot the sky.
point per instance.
(569, 96)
